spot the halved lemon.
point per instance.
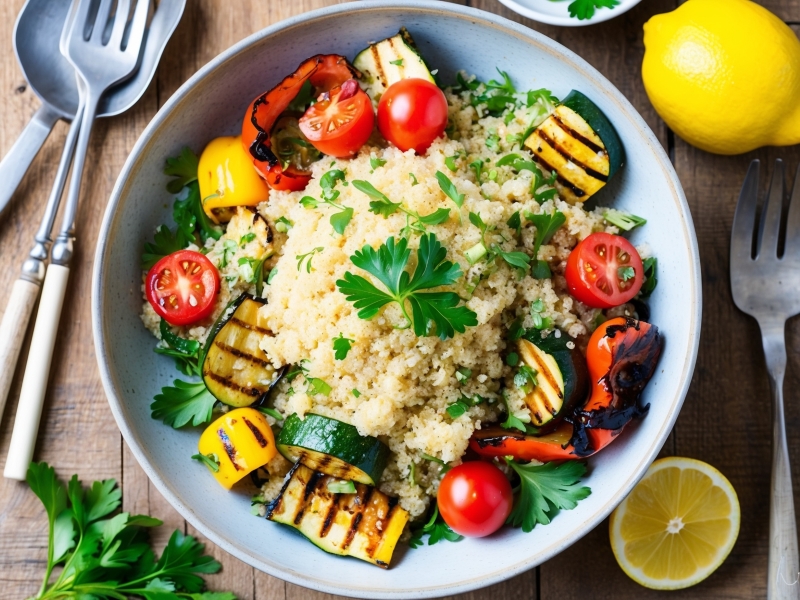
(677, 526)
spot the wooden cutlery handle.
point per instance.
(37, 371)
(14, 325)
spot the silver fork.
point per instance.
(103, 46)
(766, 285)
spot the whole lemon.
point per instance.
(724, 75)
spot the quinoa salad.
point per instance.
(384, 291)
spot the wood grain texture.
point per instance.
(725, 421)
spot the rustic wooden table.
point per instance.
(726, 419)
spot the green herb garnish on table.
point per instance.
(108, 556)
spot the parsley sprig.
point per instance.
(430, 311)
(436, 530)
(546, 225)
(490, 251)
(185, 352)
(327, 183)
(183, 403)
(545, 489)
(584, 9)
(382, 205)
(314, 385)
(109, 557)
(341, 346)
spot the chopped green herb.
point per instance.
(398, 62)
(183, 168)
(209, 460)
(341, 346)
(512, 360)
(507, 119)
(382, 205)
(317, 386)
(650, 280)
(307, 257)
(185, 352)
(525, 378)
(450, 162)
(512, 421)
(444, 467)
(246, 239)
(519, 260)
(537, 305)
(493, 141)
(436, 530)
(283, 224)
(626, 273)
(412, 474)
(339, 220)
(376, 162)
(546, 226)
(515, 222)
(477, 167)
(623, 220)
(271, 275)
(477, 252)
(463, 374)
(228, 249)
(185, 403)
(190, 217)
(356, 393)
(545, 489)
(431, 311)
(271, 412)
(449, 188)
(413, 179)
(340, 486)
(505, 86)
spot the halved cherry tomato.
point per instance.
(412, 113)
(622, 356)
(604, 271)
(475, 498)
(324, 71)
(182, 287)
(341, 120)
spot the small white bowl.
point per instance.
(212, 103)
(556, 12)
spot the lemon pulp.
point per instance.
(677, 526)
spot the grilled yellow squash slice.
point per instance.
(236, 370)
(364, 525)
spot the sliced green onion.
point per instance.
(624, 221)
(209, 460)
(477, 252)
(340, 486)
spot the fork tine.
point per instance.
(744, 218)
(100, 21)
(138, 25)
(792, 247)
(770, 226)
(120, 22)
(80, 18)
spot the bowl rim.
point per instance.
(567, 21)
(487, 19)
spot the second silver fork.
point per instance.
(766, 285)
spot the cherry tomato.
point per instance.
(475, 498)
(182, 287)
(604, 271)
(341, 120)
(412, 113)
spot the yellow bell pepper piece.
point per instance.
(239, 442)
(227, 178)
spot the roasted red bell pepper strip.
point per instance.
(323, 71)
(622, 357)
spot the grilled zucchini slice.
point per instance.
(333, 448)
(562, 378)
(364, 525)
(388, 61)
(235, 368)
(580, 144)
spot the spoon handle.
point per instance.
(15, 164)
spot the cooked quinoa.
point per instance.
(393, 384)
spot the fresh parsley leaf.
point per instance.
(545, 489)
(209, 460)
(109, 557)
(493, 141)
(190, 216)
(164, 243)
(584, 9)
(340, 220)
(183, 168)
(650, 266)
(546, 226)
(449, 188)
(456, 409)
(374, 163)
(185, 403)
(505, 86)
(327, 182)
(477, 168)
(185, 352)
(519, 260)
(307, 258)
(623, 220)
(246, 239)
(463, 374)
(382, 205)
(341, 346)
(525, 378)
(413, 179)
(437, 217)
(388, 265)
(317, 386)
(450, 162)
(512, 421)
(515, 222)
(436, 530)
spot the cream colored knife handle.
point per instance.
(37, 371)
(14, 325)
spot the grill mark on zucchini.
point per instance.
(585, 141)
(234, 386)
(380, 75)
(579, 193)
(230, 449)
(328, 522)
(262, 441)
(241, 354)
(250, 327)
(308, 492)
(563, 152)
(362, 507)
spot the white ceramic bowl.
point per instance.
(210, 104)
(556, 12)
